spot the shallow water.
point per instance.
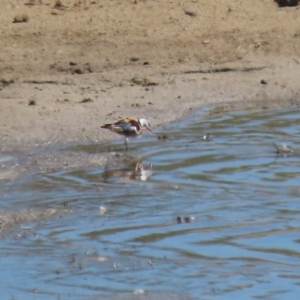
(216, 219)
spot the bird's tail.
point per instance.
(106, 126)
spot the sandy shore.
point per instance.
(67, 67)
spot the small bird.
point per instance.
(128, 127)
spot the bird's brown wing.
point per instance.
(127, 126)
(136, 123)
(129, 120)
(129, 123)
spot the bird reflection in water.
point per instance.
(139, 172)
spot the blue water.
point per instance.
(120, 234)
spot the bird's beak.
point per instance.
(149, 128)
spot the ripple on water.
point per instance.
(236, 200)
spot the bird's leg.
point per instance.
(126, 145)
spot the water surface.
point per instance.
(216, 219)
